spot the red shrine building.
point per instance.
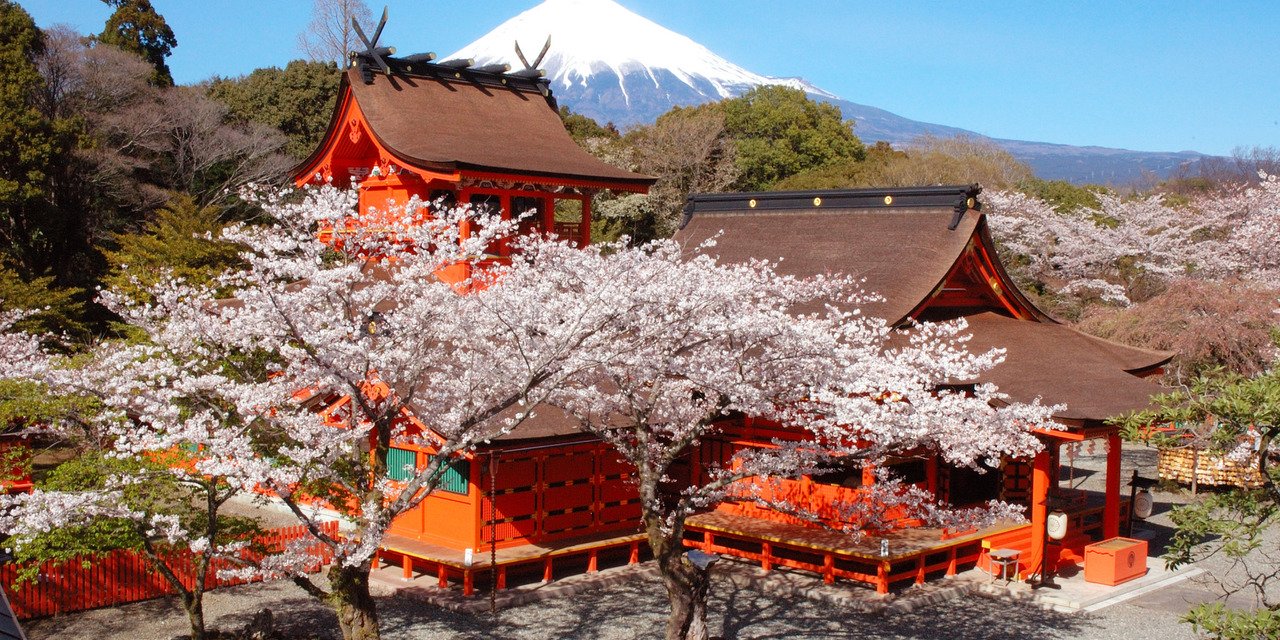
(547, 495)
(928, 251)
(468, 135)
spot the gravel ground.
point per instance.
(637, 608)
(634, 610)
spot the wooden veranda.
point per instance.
(913, 553)
(447, 563)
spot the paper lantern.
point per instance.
(1143, 505)
(1056, 525)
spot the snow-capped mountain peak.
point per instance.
(612, 65)
(601, 49)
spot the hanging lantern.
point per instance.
(1056, 525)
(1143, 504)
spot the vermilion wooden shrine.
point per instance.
(547, 491)
(928, 251)
(463, 135)
(454, 133)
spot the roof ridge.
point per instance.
(420, 66)
(960, 198)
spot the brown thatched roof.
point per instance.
(904, 242)
(903, 257)
(446, 119)
(1060, 365)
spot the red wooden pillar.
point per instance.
(1111, 511)
(504, 247)
(1040, 481)
(586, 222)
(464, 198)
(548, 215)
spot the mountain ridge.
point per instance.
(637, 70)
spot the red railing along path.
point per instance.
(123, 576)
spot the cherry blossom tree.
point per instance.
(159, 462)
(701, 342)
(366, 325)
(21, 352)
(1108, 253)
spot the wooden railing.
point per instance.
(570, 231)
(123, 576)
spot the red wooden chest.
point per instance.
(1114, 561)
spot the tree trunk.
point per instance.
(687, 588)
(687, 585)
(357, 612)
(193, 603)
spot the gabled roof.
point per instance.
(1060, 365)
(903, 247)
(451, 119)
(906, 244)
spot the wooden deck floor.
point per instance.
(448, 562)
(913, 552)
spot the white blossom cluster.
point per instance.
(20, 353)
(1088, 252)
(697, 343)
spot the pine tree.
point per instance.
(181, 241)
(136, 26)
(29, 145)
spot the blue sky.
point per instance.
(1152, 76)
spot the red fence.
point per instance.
(123, 576)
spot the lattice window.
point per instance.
(1016, 485)
(402, 464)
(456, 478)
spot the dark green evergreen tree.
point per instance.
(30, 146)
(181, 241)
(135, 26)
(584, 128)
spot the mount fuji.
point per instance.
(613, 65)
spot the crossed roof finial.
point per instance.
(371, 49)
